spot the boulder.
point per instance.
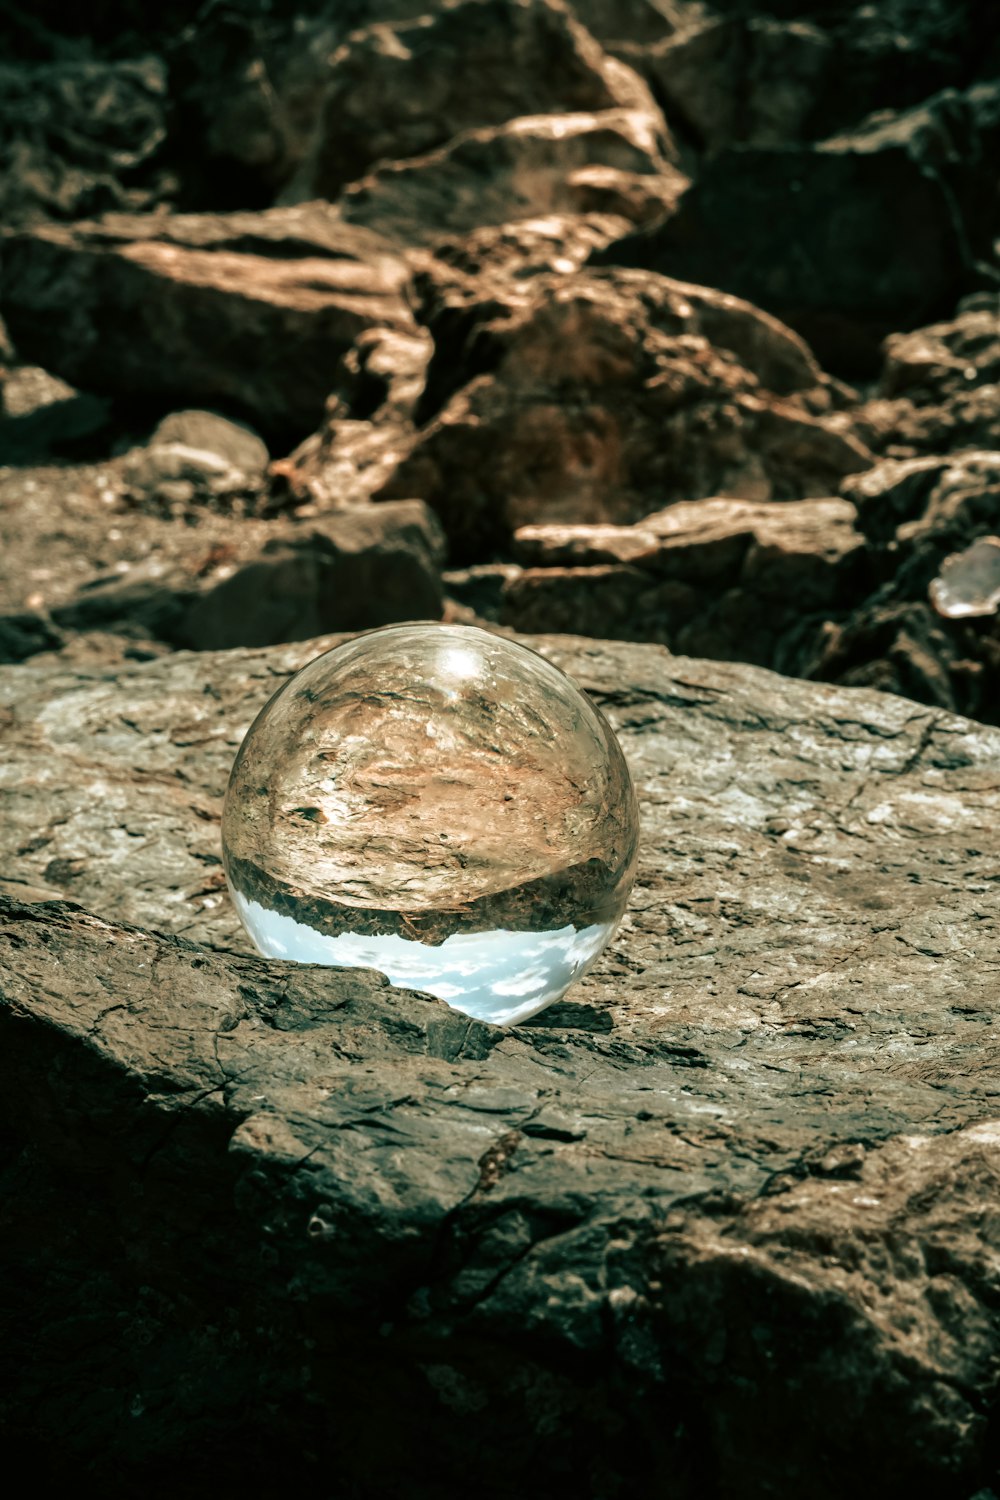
(249, 312)
(729, 579)
(220, 579)
(267, 100)
(523, 247)
(732, 1198)
(367, 426)
(848, 241)
(41, 417)
(206, 432)
(600, 396)
(405, 90)
(195, 458)
(933, 364)
(607, 163)
(348, 571)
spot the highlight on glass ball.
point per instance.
(442, 805)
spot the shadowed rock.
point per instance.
(233, 581)
(250, 311)
(737, 78)
(918, 513)
(402, 91)
(730, 579)
(80, 137)
(848, 241)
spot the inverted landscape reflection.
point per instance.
(499, 976)
(442, 805)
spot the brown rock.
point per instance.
(524, 247)
(932, 365)
(247, 311)
(347, 571)
(368, 423)
(215, 579)
(583, 546)
(356, 569)
(939, 389)
(595, 398)
(405, 90)
(546, 164)
(731, 579)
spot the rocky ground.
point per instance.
(661, 323)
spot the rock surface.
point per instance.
(251, 311)
(534, 166)
(166, 569)
(769, 1113)
(728, 579)
(596, 397)
(461, 67)
(917, 205)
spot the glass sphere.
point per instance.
(440, 804)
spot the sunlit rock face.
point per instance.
(440, 804)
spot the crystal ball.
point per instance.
(440, 804)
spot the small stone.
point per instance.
(969, 581)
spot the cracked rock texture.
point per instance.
(743, 1180)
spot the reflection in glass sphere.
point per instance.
(438, 803)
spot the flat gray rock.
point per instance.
(726, 1214)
